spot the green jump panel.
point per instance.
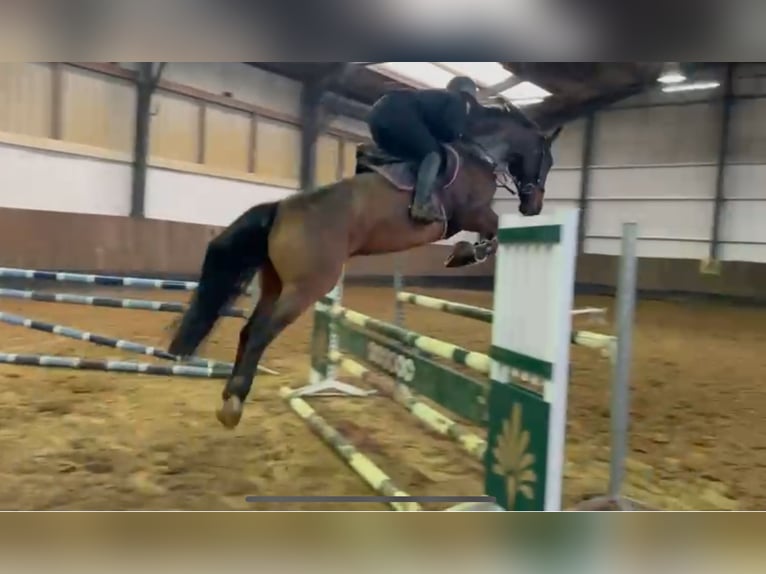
(452, 390)
(517, 447)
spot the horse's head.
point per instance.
(529, 168)
(519, 149)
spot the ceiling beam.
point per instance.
(568, 113)
(346, 107)
(495, 89)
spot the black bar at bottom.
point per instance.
(425, 499)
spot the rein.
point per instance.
(503, 176)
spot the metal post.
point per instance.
(723, 151)
(147, 78)
(585, 172)
(309, 134)
(625, 311)
(141, 139)
(315, 116)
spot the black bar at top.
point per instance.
(424, 499)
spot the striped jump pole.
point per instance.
(607, 344)
(378, 480)
(431, 418)
(105, 341)
(136, 304)
(471, 359)
(471, 311)
(103, 280)
(80, 363)
(479, 362)
(460, 309)
(112, 302)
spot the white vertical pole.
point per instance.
(398, 288)
(336, 296)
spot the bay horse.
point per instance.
(301, 243)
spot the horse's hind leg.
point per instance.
(270, 287)
(293, 300)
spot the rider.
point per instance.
(413, 125)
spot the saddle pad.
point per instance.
(403, 175)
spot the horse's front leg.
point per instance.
(485, 223)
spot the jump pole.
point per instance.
(50, 361)
(111, 302)
(604, 343)
(106, 341)
(428, 416)
(103, 280)
(359, 462)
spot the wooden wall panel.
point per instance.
(227, 138)
(97, 110)
(328, 156)
(175, 129)
(26, 94)
(349, 158)
(278, 150)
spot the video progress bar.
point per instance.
(385, 499)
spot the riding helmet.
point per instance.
(462, 84)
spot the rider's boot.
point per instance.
(425, 207)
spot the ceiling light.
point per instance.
(671, 74)
(691, 86)
(416, 74)
(526, 102)
(525, 91)
(483, 73)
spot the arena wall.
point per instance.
(226, 136)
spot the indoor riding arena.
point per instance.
(93, 440)
(91, 433)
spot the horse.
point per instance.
(300, 244)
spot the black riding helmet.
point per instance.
(463, 84)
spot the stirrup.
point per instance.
(439, 216)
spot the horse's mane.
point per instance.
(494, 113)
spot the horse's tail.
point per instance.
(231, 261)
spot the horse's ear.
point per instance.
(554, 134)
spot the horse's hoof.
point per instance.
(230, 412)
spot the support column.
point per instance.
(310, 98)
(712, 265)
(318, 108)
(147, 77)
(585, 165)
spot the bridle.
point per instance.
(504, 178)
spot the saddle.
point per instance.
(401, 173)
